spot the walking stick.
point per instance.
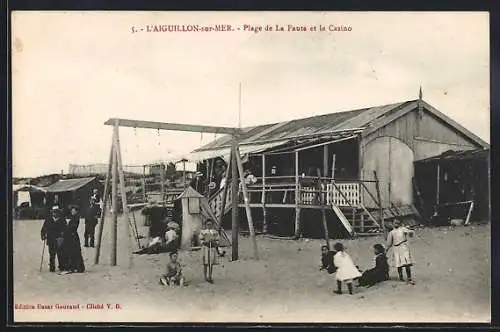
(43, 252)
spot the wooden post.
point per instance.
(234, 202)
(333, 167)
(438, 184)
(144, 182)
(263, 199)
(162, 179)
(323, 207)
(381, 208)
(297, 197)
(114, 203)
(105, 203)
(247, 205)
(123, 193)
(226, 188)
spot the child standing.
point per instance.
(381, 270)
(209, 238)
(346, 270)
(398, 240)
(173, 275)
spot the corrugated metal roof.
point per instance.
(317, 125)
(68, 185)
(452, 155)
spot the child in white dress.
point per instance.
(346, 270)
(398, 240)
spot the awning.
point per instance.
(225, 152)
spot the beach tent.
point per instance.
(195, 212)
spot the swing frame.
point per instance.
(115, 173)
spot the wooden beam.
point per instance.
(247, 206)
(105, 203)
(144, 182)
(171, 126)
(438, 171)
(381, 209)
(123, 193)
(263, 198)
(234, 203)
(297, 196)
(114, 203)
(225, 190)
(326, 143)
(323, 200)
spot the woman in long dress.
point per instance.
(72, 245)
(398, 240)
(209, 238)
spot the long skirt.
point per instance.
(402, 255)
(73, 253)
(209, 255)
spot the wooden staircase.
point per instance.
(215, 202)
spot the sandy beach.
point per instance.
(452, 274)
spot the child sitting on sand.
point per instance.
(381, 270)
(173, 275)
(346, 270)
(327, 260)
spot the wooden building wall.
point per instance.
(392, 149)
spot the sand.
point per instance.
(452, 274)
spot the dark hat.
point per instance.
(338, 246)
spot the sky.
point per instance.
(74, 70)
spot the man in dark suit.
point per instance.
(91, 218)
(52, 232)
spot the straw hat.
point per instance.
(173, 225)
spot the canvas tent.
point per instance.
(195, 211)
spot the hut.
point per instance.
(28, 201)
(454, 185)
(73, 192)
(355, 167)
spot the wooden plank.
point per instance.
(171, 126)
(438, 171)
(247, 206)
(225, 190)
(342, 218)
(371, 216)
(467, 220)
(234, 203)
(297, 197)
(114, 203)
(263, 197)
(123, 192)
(377, 187)
(326, 143)
(105, 203)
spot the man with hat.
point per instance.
(52, 233)
(92, 218)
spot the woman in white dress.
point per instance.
(398, 240)
(346, 270)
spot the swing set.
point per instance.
(115, 175)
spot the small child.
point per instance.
(381, 270)
(398, 240)
(327, 260)
(173, 276)
(346, 270)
